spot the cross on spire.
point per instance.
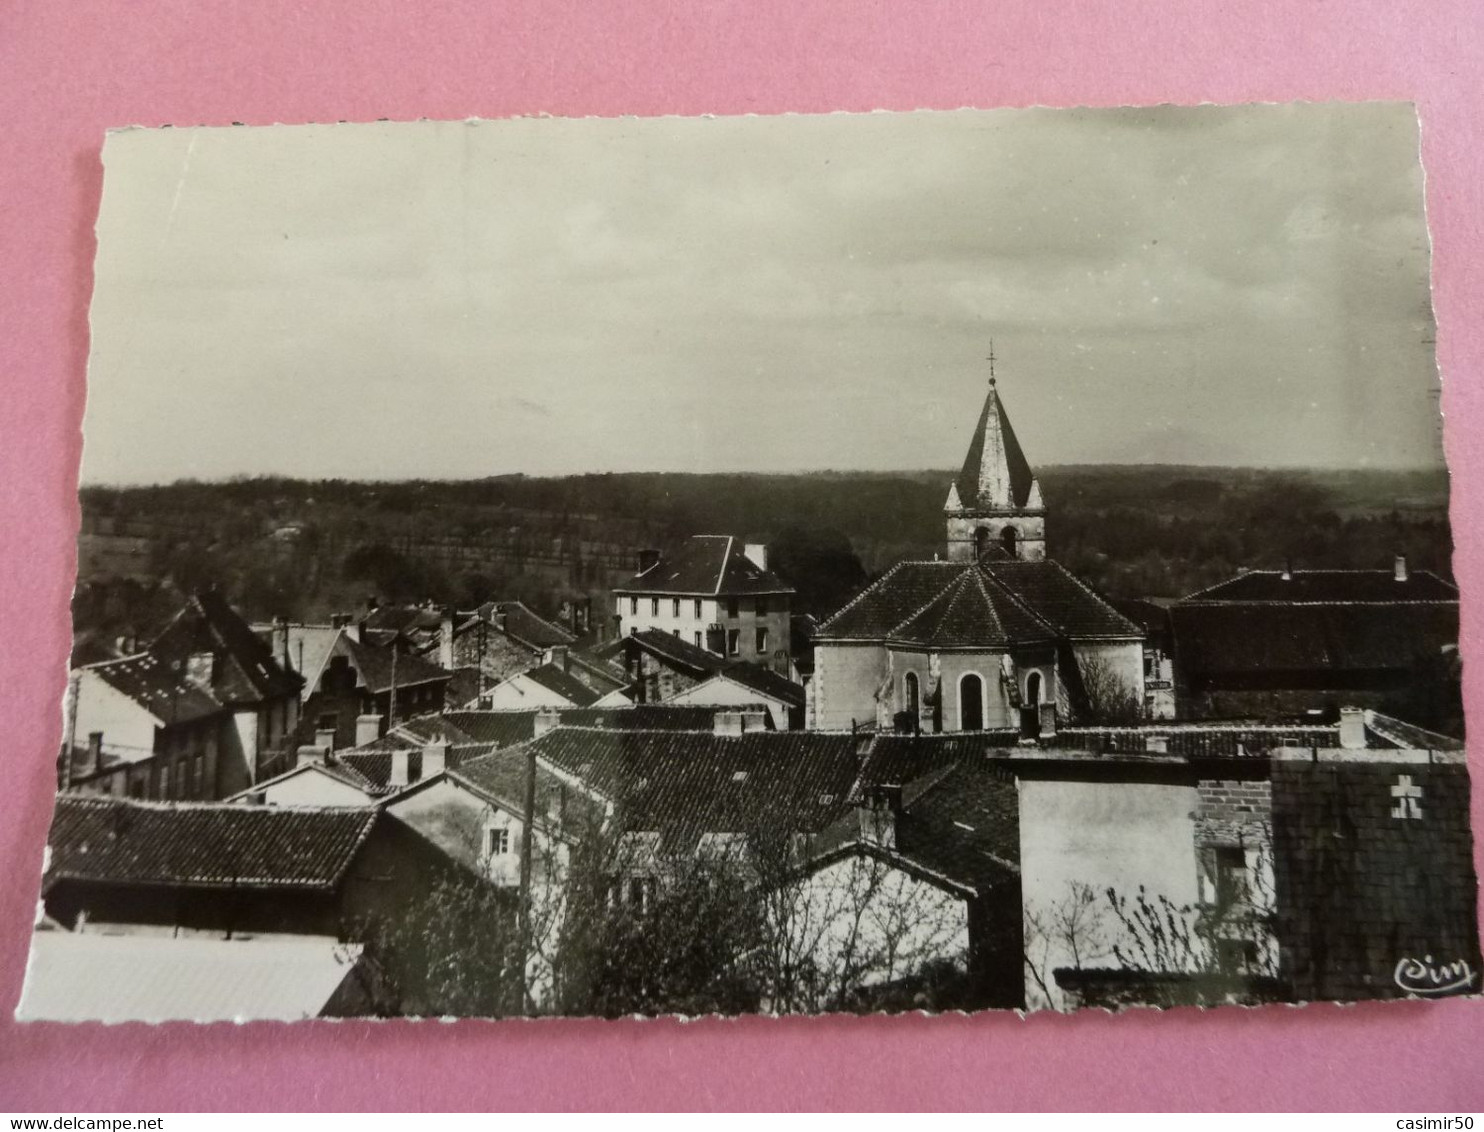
(991, 360)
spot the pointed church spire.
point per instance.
(995, 503)
(995, 473)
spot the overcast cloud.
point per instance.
(1210, 285)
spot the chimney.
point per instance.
(648, 560)
(757, 554)
(372, 605)
(368, 729)
(281, 643)
(545, 720)
(1047, 719)
(754, 718)
(352, 629)
(310, 756)
(878, 813)
(728, 723)
(339, 620)
(1399, 568)
(445, 640)
(1287, 574)
(1352, 729)
(435, 759)
(401, 768)
(95, 751)
(200, 668)
(324, 738)
(558, 656)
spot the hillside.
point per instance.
(304, 549)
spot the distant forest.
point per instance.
(304, 549)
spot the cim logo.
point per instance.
(1422, 976)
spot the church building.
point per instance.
(995, 637)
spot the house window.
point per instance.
(697, 635)
(654, 607)
(327, 722)
(675, 607)
(732, 607)
(640, 894)
(1233, 884)
(734, 642)
(198, 776)
(762, 642)
(698, 609)
(678, 634)
(762, 607)
(496, 841)
(633, 605)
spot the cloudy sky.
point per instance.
(1206, 285)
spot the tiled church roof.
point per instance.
(1021, 602)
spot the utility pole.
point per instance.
(391, 707)
(526, 832)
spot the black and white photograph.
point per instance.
(805, 564)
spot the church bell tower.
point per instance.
(995, 503)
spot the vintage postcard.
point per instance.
(942, 561)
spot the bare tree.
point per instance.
(1107, 697)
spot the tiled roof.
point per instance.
(964, 824)
(309, 648)
(1021, 601)
(504, 728)
(502, 776)
(246, 672)
(1367, 586)
(682, 654)
(556, 679)
(684, 784)
(973, 611)
(1004, 478)
(676, 651)
(1061, 599)
(213, 845)
(375, 667)
(374, 767)
(158, 686)
(527, 626)
(641, 717)
(1275, 637)
(705, 565)
(899, 759)
(765, 682)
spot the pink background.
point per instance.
(70, 69)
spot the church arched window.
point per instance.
(981, 541)
(910, 693)
(1008, 537)
(971, 702)
(1033, 689)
